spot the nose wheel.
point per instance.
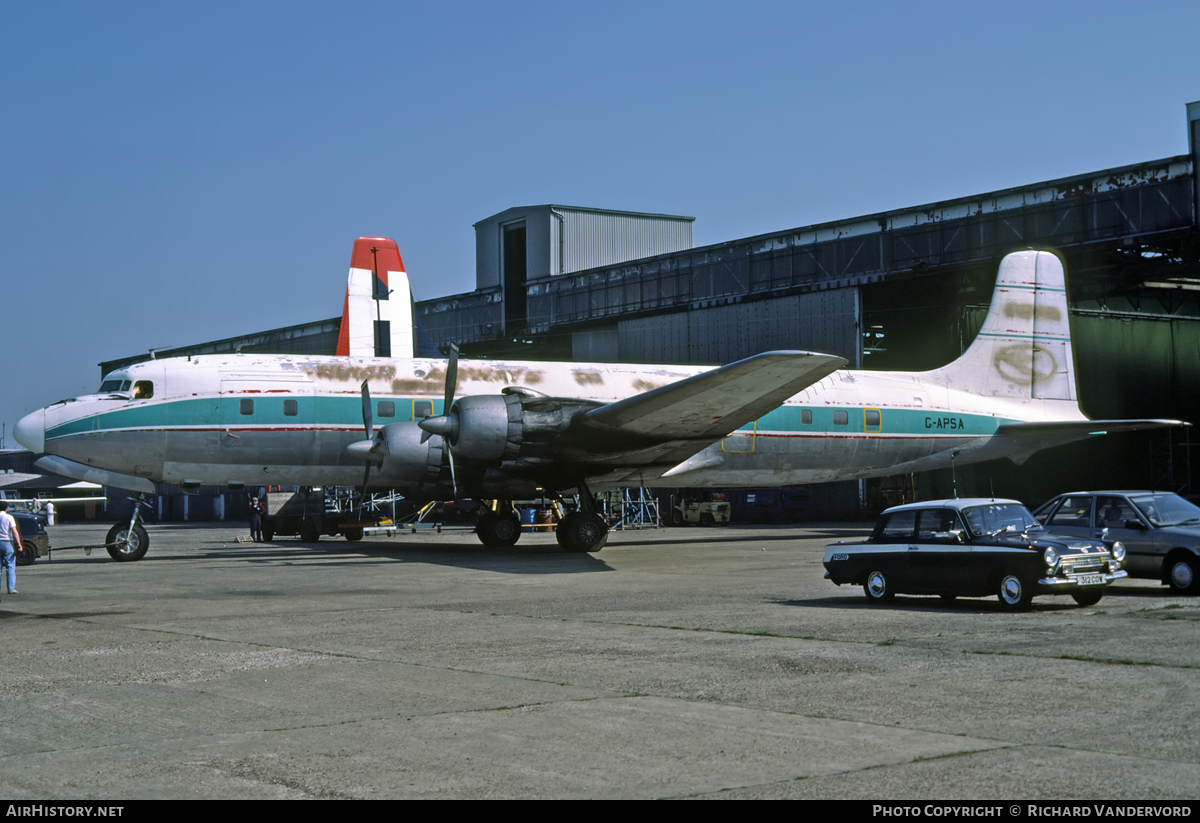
(128, 541)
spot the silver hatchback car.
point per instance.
(1160, 530)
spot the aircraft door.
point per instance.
(740, 441)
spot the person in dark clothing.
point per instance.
(256, 516)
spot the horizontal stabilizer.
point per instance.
(1077, 429)
(1035, 436)
(713, 404)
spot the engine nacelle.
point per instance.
(483, 429)
(408, 459)
(513, 424)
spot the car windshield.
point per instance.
(996, 517)
(1166, 509)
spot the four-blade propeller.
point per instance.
(446, 423)
(374, 448)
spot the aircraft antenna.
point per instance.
(954, 474)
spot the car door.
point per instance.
(937, 561)
(1073, 517)
(1143, 555)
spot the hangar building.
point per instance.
(902, 289)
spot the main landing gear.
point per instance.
(577, 531)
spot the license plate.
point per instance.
(1089, 579)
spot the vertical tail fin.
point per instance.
(1023, 350)
(377, 315)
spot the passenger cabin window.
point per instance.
(841, 418)
(386, 408)
(143, 390)
(422, 409)
(806, 417)
(290, 408)
(871, 419)
(246, 407)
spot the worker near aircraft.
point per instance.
(256, 516)
(10, 538)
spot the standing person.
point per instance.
(49, 513)
(10, 538)
(256, 516)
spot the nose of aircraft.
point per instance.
(31, 431)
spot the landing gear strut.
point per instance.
(129, 541)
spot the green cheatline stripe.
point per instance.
(347, 412)
(1033, 288)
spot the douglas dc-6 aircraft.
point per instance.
(520, 430)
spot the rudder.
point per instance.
(1023, 350)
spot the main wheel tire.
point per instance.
(876, 588)
(1181, 574)
(26, 553)
(584, 533)
(309, 533)
(1014, 591)
(1088, 598)
(562, 529)
(498, 530)
(124, 545)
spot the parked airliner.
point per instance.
(526, 429)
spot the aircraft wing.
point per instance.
(673, 422)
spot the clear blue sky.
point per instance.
(176, 172)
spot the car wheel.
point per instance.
(877, 589)
(1181, 575)
(125, 545)
(26, 553)
(1088, 598)
(1014, 592)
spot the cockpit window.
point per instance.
(114, 385)
(143, 390)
